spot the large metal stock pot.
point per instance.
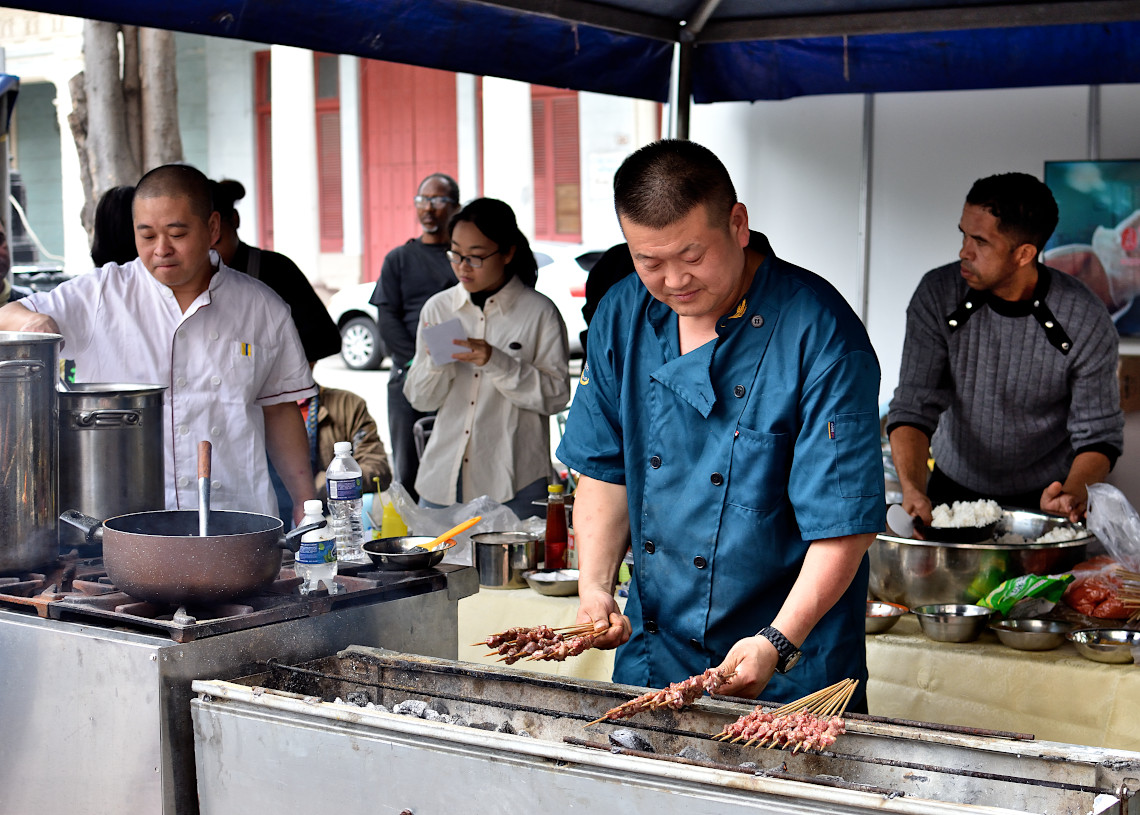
(29, 365)
(110, 453)
(917, 573)
(160, 557)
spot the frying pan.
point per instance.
(161, 558)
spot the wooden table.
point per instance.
(1055, 695)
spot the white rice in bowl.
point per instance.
(966, 514)
(1059, 534)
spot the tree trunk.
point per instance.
(161, 139)
(109, 157)
(132, 93)
(77, 120)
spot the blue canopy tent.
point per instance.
(728, 49)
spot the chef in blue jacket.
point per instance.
(725, 425)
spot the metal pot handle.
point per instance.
(92, 528)
(32, 367)
(108, 418)
(292, 541)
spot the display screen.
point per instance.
(1098, 235)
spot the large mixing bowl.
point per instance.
(917, 573)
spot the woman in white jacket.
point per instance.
(496, 393)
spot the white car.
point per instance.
(562, 270)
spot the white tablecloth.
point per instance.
(1055, 695)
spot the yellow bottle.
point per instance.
(391, 524)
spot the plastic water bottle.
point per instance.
(316, 559)
(345, 484)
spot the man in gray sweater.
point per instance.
(1008, 369)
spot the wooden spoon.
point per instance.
(453, 531)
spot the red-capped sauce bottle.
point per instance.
(556, 538)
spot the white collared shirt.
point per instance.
(494, 420)
(233, 352)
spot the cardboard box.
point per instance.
(1129, 375)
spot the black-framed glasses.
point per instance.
(435, 201)
(474, 261)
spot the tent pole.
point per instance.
(866, 176)
(684, 89)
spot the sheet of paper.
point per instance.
(439, 339)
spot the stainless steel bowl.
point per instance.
(952, 622)
(882, 616)
(1032, 635)
(1117, 646)
(502, 557)
(916, 573)
(553, 582)
(401, 555)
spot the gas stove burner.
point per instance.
(79, 590)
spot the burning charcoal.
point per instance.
(439, 707)
(505, 727)
(411, 707)
(525, 734)
(693, 754)
(630, 740)
(459, 721)
(432, 716)
(357, 697)
(482, 725)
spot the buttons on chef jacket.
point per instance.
(215, 431)
(180, 382)
(215, 380)
(183, 481)
(695, 643)
(738, 391)
(650, 626)
(655, 462)
(183, 429)
(215, 484)
(650, 547)
(213, 335)
(700, 562)
(717, 479)
(757, 321)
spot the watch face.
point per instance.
(792, 660)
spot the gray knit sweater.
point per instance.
(1006, 407)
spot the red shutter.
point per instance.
(264, 150)
(557, 170)
(329, 181)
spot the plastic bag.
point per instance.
(1045, 588)
(1115, 523)
(496, 518)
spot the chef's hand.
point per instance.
(41, 324)
(917, 505)
(611, 627)
(752, 662)
(1056, 501)
(478, 355)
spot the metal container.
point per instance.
(917, 573)
(953, 622)
(1032, 635)
(110, 453)
(29, 363)
(502, 557)
(405, 553)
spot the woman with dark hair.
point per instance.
(496, 393)
(114, 240)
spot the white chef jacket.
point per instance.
(234, 351)
(494, 420)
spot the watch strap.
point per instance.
(788, 654)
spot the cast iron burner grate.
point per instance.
(80, 591)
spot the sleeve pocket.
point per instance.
(758, 480)
(858, 454)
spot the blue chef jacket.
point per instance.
(735, 456)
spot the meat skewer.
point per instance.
(810, 723)
(676, 696)
(540, 642)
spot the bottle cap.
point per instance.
(554, 488)
(342, 447)
(315, 507)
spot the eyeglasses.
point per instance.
(474, 261)
(435, 201)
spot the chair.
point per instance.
(421, 432)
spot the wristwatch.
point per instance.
(789, 654)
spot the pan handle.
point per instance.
(292, 541)
(92, 528)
